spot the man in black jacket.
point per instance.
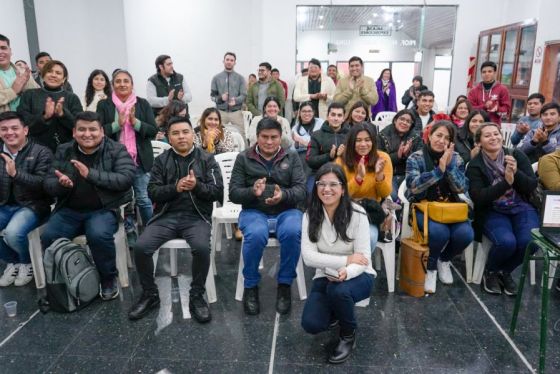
(91, 178)
(269, 184)
(23, 203)
(184, 183)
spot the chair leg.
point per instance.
(211, 288)
(398, 274)
(300, 279)
(469, 262)
(480, 260)
(122, 257)
(377, 258)
(155, 258)
(240, 287)
(213, 262)
(389, 259)
(173, 260)
(216, 237)
(551, 271)
(532, 272)
(37, 259)
(228, 230)
(261, 264)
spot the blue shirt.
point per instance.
(533, 122)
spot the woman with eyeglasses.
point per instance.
(306, 124)
(335, 241)
(399, 140)
(271, 109)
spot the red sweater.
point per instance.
(498, 94)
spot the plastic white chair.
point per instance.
(159, 147)
(388, 252)
(228, 212)
(247, 118)
(507, 132)
(239, 142)
(386, 117)
(406, 232)
(300, 279)
(173, 246)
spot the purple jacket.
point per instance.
(384, 104)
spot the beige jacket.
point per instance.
(301, 93)
(347, 95)
(7, 94)
(549, 170)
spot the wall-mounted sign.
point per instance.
(375, 30)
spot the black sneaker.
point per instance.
(507, 282)
(199, 308)
(491, 283)
(283, 298)
(109, 289)
(388, 237)
(251, 301)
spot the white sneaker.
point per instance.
(430, 282)
(9, 276)
(444, 272)
(25, 275)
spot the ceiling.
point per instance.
(439, 20)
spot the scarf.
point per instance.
(496, 170)
(128, 135)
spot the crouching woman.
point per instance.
(335, 241)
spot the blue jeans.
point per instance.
(254, 225)
(328, 301)
(140, 187)
(17, 222)
(397, 180)
(99, 227)
(509, 235)
(373, 235)
(445, 240)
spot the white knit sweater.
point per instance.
(330, 253)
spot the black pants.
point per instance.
(174, 226)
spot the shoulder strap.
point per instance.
(416, 234)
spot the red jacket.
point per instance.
(499, 94)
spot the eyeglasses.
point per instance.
(401, 119)
(331, 185)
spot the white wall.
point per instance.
(85, 35)
(13, 27)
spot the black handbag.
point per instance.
(376, 214)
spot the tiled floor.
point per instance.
(448, 332)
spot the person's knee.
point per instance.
(100, 234)
(338, 294)
(311, 325)
(14, 235)
(289, 229)
(255, 233)
(201, 250)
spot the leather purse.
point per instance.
(443, 212)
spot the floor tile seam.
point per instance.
(18, 328)
(495, 322)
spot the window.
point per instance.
(442, 79)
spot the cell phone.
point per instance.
(330, 272)
(177, 88)
(268, 191)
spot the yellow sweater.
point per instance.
(369, 188)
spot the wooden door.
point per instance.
(550, 77)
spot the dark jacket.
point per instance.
(464, 143)
(56, 130)
(144, 136)
(33, 162)
(418, 121)
(483, 193)
(112, 175)
(406, 99)
(389, 141)
(163, 87)
(322, 140)
(165, 174)
(287, 172)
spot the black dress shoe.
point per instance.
(491, 283)
(147, 302)
(283, 298)
(199, 308)
(251, 301)
(343, 349)
(507, 282)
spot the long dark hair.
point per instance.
(172, 109)
(358, 104)
(383, 71)
(89, 87)
(299, 122)
(202, 123)
(464, 132)
(350, 154)
(343, 212)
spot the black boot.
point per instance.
(507, 282)
(283, 298)
(147, 302)
(199, 308)
(341, 352)
(251, 301)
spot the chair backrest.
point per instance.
(247, 118)
(239, 142)
(381, 125)
(507, 131)
(226, 161)
(406, 230)
(385, 116)
(159, 147)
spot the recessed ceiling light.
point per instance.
(320, 17)
(387, 16)
(375, 14)
(369, 22)
(390, 24)
(320, 26)
(399, 21)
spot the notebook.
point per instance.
(550, 217)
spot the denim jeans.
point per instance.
(509, 235)
(373, 235)
(445, 240)
(140, 187)
(99, 227)
(334, 300)
(397, 180)
(17, 222)
(254, 225)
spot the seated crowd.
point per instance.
(313, 185)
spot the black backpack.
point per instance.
(72, 278)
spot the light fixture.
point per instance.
(387, 17)
(320, 17)
(321, 27)
(418, 56)
(375, 14)
(369, 22)
(390, 24)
